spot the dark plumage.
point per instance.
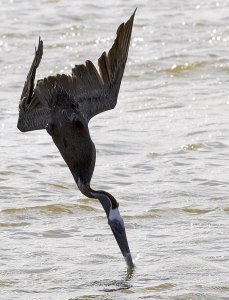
(64, 104)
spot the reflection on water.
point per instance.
(163, 153)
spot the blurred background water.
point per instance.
(163, 153)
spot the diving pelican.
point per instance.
(64, 104)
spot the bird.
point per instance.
(64, 104)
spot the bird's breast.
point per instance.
(75, 144)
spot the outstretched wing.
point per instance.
(91, 91)
(33, 113)
(99, 92)
(29, 83)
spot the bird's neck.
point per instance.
(107, 200)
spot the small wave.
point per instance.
(140, 217)
(163, 286)
(217, 145)
(153, 155)
(9, 35)
(51, 208)
(168, 210)
(177, 70)
(197, 211)
(89, 297)
(198, 132)
(7, 283)
(58, 186)
(5, 225)
(221, 288)
(193, 147)
(56, 234)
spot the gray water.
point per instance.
(163, 153)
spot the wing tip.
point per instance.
(131, 19)
(133, 15)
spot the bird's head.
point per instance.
(118, 228)
(115, 220)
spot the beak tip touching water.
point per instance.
(120, 236)
(129, 261)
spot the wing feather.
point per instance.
(111, 68)
(93, 92)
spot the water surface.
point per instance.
(163, 153)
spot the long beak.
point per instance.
(120, 236)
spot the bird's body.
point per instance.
(64, 105)
(73, 140)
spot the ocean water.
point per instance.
(162, 152)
